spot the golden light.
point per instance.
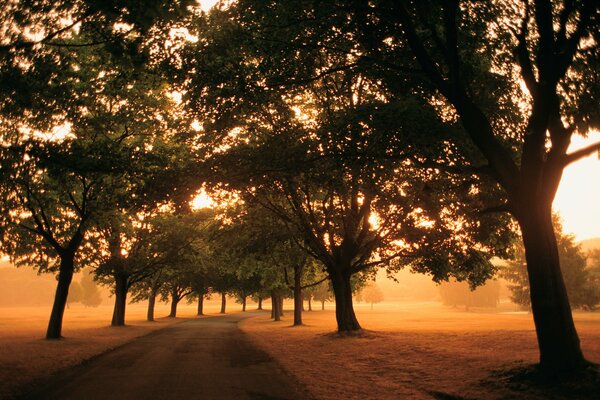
(578, 197)
(202, 200)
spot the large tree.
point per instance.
(470, 60)
(337, 157)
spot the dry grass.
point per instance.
(25, 356)
(414, 351)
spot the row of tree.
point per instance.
(354, 135)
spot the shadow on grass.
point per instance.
(529, 382)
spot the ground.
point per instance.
(25, 356)
(408, 350)
(418, 351)
(206, 358)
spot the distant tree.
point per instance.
(90, 294)
(75, 293)
(371, 293)
(455, 293)
(580, 280)
(322, 293)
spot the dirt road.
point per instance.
(207, 358)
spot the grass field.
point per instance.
(418, 351)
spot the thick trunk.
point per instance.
(174, 301)
(275, 304)
(557, 337)
(259, 303)
(151, 303)
(344, 309)
(118, 318)
(223, 303)
(201, 304)
(244, 303)
(65, 276)
(298, 303)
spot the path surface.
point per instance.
(207, 358)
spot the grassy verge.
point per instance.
(419, 351)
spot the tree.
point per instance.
(322, 293)
(459, 293)
(75, 293)
(91, 295)
(331, 155)
(469, 59)
(582, 285)
(372, 294)
(547, 47)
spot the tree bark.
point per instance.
(298, 302)
(309, 303)
(556, 334)
(174, 301)
(65, 276)
(118, 318)
(322, 305)
(280, 299)
(275, 304)
(344, 309)
(244, 304)
(259, 304)
(200, 304)
(223, 303)
(151, 303)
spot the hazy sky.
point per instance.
(578, 197)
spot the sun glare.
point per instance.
(578, 197)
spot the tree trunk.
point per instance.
(259, 304)
(244, 303)
(323, 305)
(556, 334)
(280, 299)
(200, 304)
(309, 303)
(65, 276)
(275, 304)
(344, 309)
(174, 301)
(223, 303)
(118, 318)
(151, 303)
(298, 301)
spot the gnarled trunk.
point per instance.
(65, 276)
(118, 318)
(151, 303)
(344, 309)
(223, 303)
(557, 337)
